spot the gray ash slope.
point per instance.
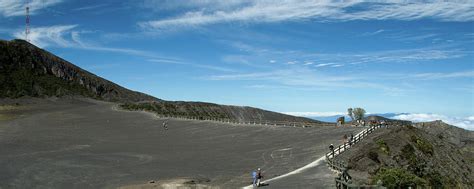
(26, 70)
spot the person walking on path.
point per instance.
(165, 125)
(331, 148)
(254, 177)
(259, 177)
(351, 139)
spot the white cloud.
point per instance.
(91, 7)
(290, 10)
(463, 122)
(402, 56)
(388, 56)
(324, 64)
(10, 8)
(297, 77)
(315, 114)
(46, 36)
(186, 63)
(373, 33)
(160, 5)
(433, 76)
(66, 36)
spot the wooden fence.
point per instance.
(250, 122)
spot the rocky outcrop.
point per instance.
(26, 70)
(413, 156)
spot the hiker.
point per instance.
(345, 175)
(165, 125)
(254, 177)
(351, 140)
(344, 139)
(259, 176)
(331, 148)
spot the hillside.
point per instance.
(26, 70)
(412, 156)
(203, 110)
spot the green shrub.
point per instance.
(422, 145)
(398, 178)
(435, 180)
(383, 146)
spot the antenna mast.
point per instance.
(27, 28)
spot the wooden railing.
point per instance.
(341, 166)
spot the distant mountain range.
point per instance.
(26, 70)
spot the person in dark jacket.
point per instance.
(331, 148)
(259, 176)
(351, 139)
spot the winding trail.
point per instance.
(316, 170)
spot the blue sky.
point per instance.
(303, 57)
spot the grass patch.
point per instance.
(198, 110)
(383, 146)
(5, 117)
(11, 107)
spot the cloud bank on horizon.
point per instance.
(285, 55)
(462, 122)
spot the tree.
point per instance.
(350, 113)
(358, 113)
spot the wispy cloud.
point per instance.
(290, 10)
(160, 5)
(46, 36)
(435, 76)
(333, 60)
(387, 56)
(463, 122)
(88, 8)
(65, 36)
(298, 77)
(373, 33)
(10, 8)
(324, 64)
(188, 63)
